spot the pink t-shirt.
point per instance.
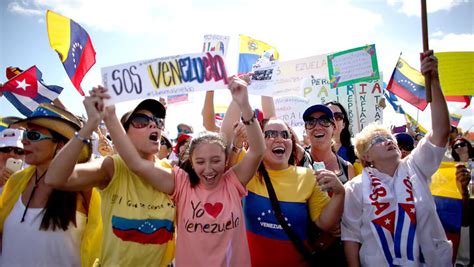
(210, 223)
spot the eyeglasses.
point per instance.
(458, 145)
(141, 121)
(324, 121)
(274, 134)
(380, 139)
(164, 143)
(9, 149)
(35, 136)
(339, 116)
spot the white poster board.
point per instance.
(165, 76)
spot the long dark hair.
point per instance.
(202, 138)
(61, 206)
(470, 150)
(294, 149)
(345, 136)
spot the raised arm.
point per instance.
(440, 124)
(268, 107)
(158, 177)
(246, 168)
(208, 114)
(63, 172)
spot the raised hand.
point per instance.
(429, 64)
(238, 89)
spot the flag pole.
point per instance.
(424, 30)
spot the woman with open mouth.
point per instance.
(210, 222)
(390, 217)
(137, 219)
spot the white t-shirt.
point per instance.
(25, 245)
(421, 164)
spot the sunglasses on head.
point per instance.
(141, 121)
(185, 131)
(458, 145)
(9, 149)
(35, 136)
(380, 139)
(324, 121)
(339, 116)
(274, 134)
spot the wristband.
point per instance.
(250, 121)
(236, 149)
(82, 139)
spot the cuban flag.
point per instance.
(27, 90)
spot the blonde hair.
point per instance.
(363, 139)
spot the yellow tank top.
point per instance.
(138, 221)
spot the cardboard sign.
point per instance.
(165, 76)
(353, 66)
(290, 109)
(216, 43)
(263, 78)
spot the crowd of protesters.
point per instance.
(120, 192)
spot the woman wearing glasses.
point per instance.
(321, 128)
(298, 196)
(389, 214)
(137, 220)
(42, 226)
(11, 149)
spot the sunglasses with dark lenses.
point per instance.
(458, 145)
(339, 116)
(274, 134)
(35, 136)
(324, 121)
(141, 121)
(9, 149)
(185, 131)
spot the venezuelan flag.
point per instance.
(250, 51)
(411, 120)
(73, 45)
(408, 83)
(454, 118)
(448, 200)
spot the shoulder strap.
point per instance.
(297, 242)
(343, 165)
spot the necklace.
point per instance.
(37, 180)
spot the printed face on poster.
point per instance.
(165, 76)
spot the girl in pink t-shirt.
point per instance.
(210, 222)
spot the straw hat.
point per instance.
(59, 120)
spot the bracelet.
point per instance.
(250, 121)
(82, 139)
(236, 149)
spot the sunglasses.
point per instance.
(380, 139)
(324, 121)
(458, 145)
(339, 116)
(35, 136)
(9, 149)
(185, 131)
(141, 121)
(274, 134)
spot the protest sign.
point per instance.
(290, 109)
(291, 73)
(456, 72)
(361, 100)
(165, 76)
(353, 66)
(216, 43)
(263, 78)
